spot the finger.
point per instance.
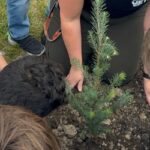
(80, 85)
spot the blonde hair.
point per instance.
(146, 51)
(22, 130)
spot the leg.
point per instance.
(146, 53)
(18, 21)
(127, 33)
(56, 50)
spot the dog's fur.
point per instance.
(34, 83)
(22, 130)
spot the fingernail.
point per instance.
(80, 89)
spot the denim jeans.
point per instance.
(18, 21)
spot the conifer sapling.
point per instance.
(98, 101)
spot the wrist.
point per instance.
(76, 63)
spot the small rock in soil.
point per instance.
(142, 116)
(128, 136)
(70, 130)
(107, 122)
(111, 147)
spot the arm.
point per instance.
(3, 62)
(146, 28)
(70, 11)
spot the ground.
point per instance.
(130, 127)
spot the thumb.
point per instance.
(80, 85)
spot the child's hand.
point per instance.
(147, 89)
(75, 78)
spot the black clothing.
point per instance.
(118, 8)
(122, 31)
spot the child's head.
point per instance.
(22, 130)
(146, 52)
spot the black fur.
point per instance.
(34, 83)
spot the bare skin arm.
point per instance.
(147, 81)
(3, 62)
(70, 12)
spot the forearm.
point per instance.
(71, 31)
(70, 11)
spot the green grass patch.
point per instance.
(37, 17)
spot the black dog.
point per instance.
(34, 83)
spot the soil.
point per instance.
(130, 126)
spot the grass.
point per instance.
(37, 17)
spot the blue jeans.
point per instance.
(18, 21)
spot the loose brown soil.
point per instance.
(130, 126)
